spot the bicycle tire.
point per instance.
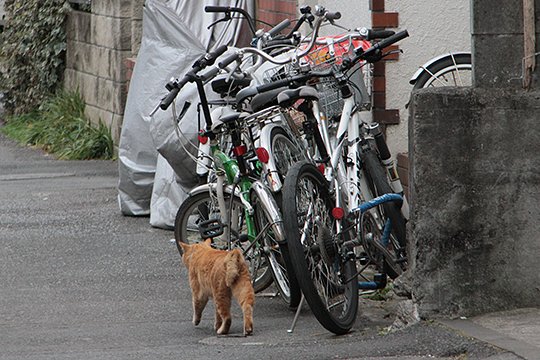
(284, 151)
(185, 230)
(443, 71)
(329, 282)
(277, 253)
(377, 175)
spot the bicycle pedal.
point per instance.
(363, 258)
(211, 228)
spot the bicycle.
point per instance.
(322, 210)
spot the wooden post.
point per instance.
(529, 39)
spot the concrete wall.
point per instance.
(475, 183)
(98, 45)
(475, 195)
(2, 12)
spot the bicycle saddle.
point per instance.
(288, 97)
(264, 100)
(224, 120)
(231, 87)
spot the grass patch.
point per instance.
(60, 127)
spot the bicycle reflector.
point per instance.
(338, 213)
(321, 168)
(203, 139)
(240, 150)
(262, 154)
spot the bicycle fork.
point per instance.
(379, 280)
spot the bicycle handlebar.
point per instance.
(392, 39)
(291, 80)
(218, 9)
(209, 58)
(167, 100)
(176, 85)
(277, 29)
(229, 9)
(228, 60)
(371, 34)
(331, 16)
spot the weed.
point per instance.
(59, 126)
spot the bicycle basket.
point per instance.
(324, 56)
(278, 73)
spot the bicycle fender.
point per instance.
(270, 206)
(435, 60)
(269, 169)
(212, 187)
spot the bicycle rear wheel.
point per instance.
(276, 251)
(327, 278)
(451, 70)
(203, 206)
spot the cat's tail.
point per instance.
(233, 264)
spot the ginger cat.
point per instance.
(220, 275)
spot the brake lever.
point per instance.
(391, 52)
(226, 18)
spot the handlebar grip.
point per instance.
(229, 59)
(213, 55)
(210, 9)
(273, 85)
(277, 29)
(209, 74)
(333, 15)
(379, 34)
(167, 100)
(281, 42)
(392, 39)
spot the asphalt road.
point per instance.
(80, 281)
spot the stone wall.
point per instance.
(474, 179)
(98, 45)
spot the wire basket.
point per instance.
(279, 73)
(322, 57)
(330, 100)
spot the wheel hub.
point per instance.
(326, 244)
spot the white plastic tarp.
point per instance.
(154, 171)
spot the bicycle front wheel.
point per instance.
(327, 278)
(203, 206)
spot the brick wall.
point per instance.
(380, 20)
(274, 11)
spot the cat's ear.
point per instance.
(184, 246)
(208, 241)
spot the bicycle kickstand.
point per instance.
(293, 325)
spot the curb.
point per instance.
(495, 338)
